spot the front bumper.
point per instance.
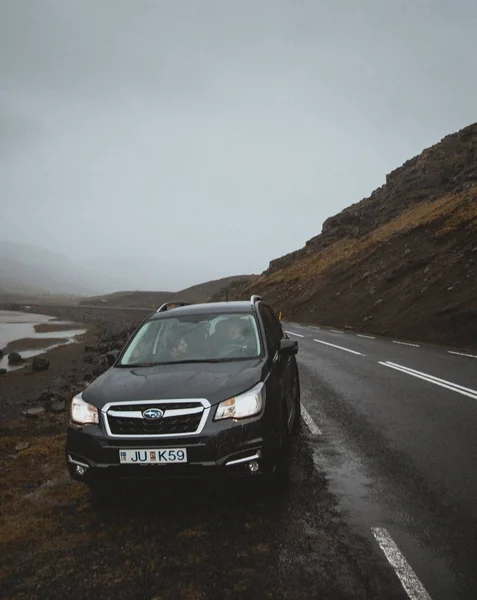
(223, 448)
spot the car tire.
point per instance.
(276, 475)
(297, 400)
(100, 492)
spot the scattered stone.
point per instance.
(14, 358)
(58, 407)
(40, 363)
(34, 413)
(89, 348)
(349, 327)
(112, 356)
(1, 354)
(45, 399)
(98, 370)
(407, 252)
(22, 446)
(378, 302)
(449, 289)
(370, 318)
(88, 358)
(3, 371)
(88, 377)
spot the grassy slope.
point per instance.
(415, 276)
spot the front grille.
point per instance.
(124, 425)
(162, 405)
(166, 426)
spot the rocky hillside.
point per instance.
(401, 262)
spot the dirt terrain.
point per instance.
(193, 541)
(402, 262)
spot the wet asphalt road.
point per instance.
(398, 449)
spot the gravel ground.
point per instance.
(187, 541)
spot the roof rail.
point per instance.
(171, 305)
(254, 299)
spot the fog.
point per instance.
(176, 142)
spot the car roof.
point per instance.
(240, 306)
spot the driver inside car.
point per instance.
(232, 333)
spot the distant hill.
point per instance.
(202, 292)
(29, 269)
(402, 262)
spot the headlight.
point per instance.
(245, 405)
(82, 412)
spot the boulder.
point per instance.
(3, 371)
(41, 363)
(98, 370)
(1, 354)
(14, 358)
(22, 446)
(34, 413)
(58, 407)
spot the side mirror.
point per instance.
(288, 347)
(111, 357)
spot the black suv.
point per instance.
(198, 389)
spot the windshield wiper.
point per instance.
(171, 362)
(145, 364)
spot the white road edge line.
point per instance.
(339, 347)
(368, 337)
(406, 344)
(297, 334)
(315, 430)
(462, 354)
(431, 379)
(336, 331)
(409, 581)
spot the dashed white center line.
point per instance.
(368, 337)
(462, 354)
(297, 334)
(449, 385)
(336, 331)
(315, 430)
(409, 580)
(406, 344)
(339, 347)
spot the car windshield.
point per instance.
(194, 338)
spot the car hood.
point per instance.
(213, 381)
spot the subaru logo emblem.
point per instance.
(153, 414)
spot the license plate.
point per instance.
(153, 457)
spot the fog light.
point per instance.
(80, 471)
(253, 466)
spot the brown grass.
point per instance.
(32, 482)
(447, 213)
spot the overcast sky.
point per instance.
(216, 135)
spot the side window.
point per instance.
(273, 329)
(277, 323)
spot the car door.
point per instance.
(281, 367)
